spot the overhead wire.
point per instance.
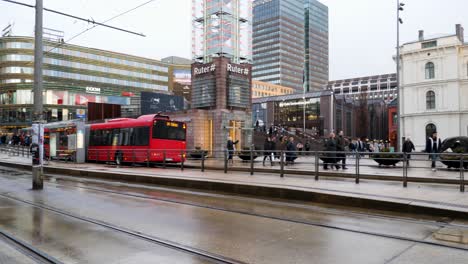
(88, 29)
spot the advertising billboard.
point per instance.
(152, 103)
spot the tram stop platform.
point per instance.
(419, 197)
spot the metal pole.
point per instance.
(405, 170)
(38, 181)
(282, 164)
(304, 115)
(357, 167)
(316, 166)
(182, 160)
(398, 78)
(164, 159)
(251, 161)
(462, 175)
(203, 161)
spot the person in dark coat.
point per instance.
(291, 149)
(408, 147)
(268, 149)
(340, 147)
(330, 145)
(433, 145)
(230, 148)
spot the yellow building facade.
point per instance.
(264, 89)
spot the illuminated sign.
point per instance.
(94, 90)
(237, 69)
(172, 124)
(286, 104)
(205, 69)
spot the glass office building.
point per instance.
(290, 43)
(73, 76)
(316, 69)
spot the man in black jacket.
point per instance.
(268, 150)
(408, 147)
(433, 144)
(330, 145)
(340, 146)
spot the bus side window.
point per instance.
(115, 137)
(141, 136)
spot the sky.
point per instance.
(362, 32)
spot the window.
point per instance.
(168, 130)
(430, 70)
(141, 136)
(430, 128)
(429, 44)
(430, 100)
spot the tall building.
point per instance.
(290, 43)
(434, 87)
(73, 77)
(316, 70)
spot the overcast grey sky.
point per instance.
(362, 32)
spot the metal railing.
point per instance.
(394, 166)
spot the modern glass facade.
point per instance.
(73, 76)
(316, 69)
(289, 35)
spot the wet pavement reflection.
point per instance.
(204, 221)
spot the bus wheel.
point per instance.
(118, 158)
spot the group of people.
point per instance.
(334, 145)
(15, 139)
(287, 146)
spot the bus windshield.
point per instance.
(163, 129)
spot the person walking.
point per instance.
(307, 147)
(300, 147)
(291, 149)
(268, 150)
(330, 145)
(230, 148)
(408, 147)
(340, 147)
(433, 144)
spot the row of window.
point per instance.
(137, 136)
(90, 78)
(81, 54)
(105, 69)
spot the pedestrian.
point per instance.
(433, 144)
(359, 145)
(299, 147)
(340, 147)
(307, 147)
(268, 150)
(330, 147)
(270, 130)
(230, 148)
(408, 147)
(291, 149)
(353, 147)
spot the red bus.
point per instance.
(148, 138)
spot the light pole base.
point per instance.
(38, 179)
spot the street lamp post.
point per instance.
(399, 21)
(38, 181)
(304, 115)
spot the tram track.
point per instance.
(27, 250)
(244, 212)
(212, 257)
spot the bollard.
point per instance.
(316, 165)
(108, 156)
(182, 160)
(462, 175)
(203, 161)
(225, 162)
(164, 159)
(357, 167)
(405, 170)
(251, 162)
(282, 164)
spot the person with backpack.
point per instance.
(408, 147)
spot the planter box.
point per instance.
(386, 159)
(453, 162)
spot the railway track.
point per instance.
(211, 257)
(28, 250)
(245, 212)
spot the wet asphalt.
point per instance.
(244, 229)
